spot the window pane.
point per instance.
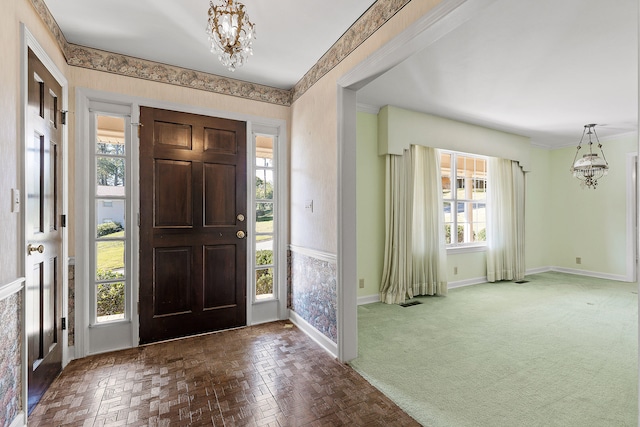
(479, 222)
(110, 301)
(445, 172)
(264, 243)
(264, 151)
(110, 219)
(447, 232)
(264, 257)
(110, 176)
(109, 260)
(264, 217)
(264, 184)
(448, 216)
(110, 135)
(264, 282)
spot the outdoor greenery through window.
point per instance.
(109, 219)
(464, 194)
(264, 197)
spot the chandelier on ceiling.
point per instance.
(230, 33)
(590, 167)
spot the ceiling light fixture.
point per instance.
(230, 33)
(590, 168)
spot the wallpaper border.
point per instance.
(80, 56)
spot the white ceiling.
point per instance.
(291, 35)
(539, 68)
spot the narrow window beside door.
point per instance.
(109, 289)
(265, 194)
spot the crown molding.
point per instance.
(85, 57)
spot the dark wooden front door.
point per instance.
(42, 230)
(192, 224)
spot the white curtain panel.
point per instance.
(429, 255)
(396, 273)
(414, 259)
(505, 220)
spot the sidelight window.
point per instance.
(266, 216)
(110, 222)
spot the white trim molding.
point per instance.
(467, 282)
(597, 275)
(19, 421)
(368, 299)
(11, 288)
(322, 256)
(632, 217)
(313, 333)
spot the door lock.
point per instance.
(32, 248)
(240, 234)
(240, 217)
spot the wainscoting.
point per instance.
(312, 290)
(11, 404)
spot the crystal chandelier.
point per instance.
(230, 33)
(590, 168)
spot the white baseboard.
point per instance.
(313, 333)
(19, 420)
(597, 275)
(369, 299)
(467, 282)
(537, 270)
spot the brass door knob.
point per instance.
(240, 234)
(31, 248)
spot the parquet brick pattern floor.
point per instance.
(265, 375)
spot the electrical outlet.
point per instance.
(578, 260)
(361, 283)
(455, 270)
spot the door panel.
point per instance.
(219, 195)
(172, 281)
(173, 206)
(216, 293)
(192, 261)
(44, 200)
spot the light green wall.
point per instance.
(398, 129)
(563, 221)
(369, 204)
(588, 223)
(537, 210)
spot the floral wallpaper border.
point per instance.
(379, 13)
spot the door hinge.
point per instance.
(63, 116)
(64, 323)
(63, 220)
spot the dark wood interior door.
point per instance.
(193, 194)
(44, 237)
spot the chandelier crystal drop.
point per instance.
(590, 167)
(230, 33)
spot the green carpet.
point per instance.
(560, 350)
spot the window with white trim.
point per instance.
(464, 196)
(111, 231)
(266, 217)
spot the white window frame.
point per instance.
(129, 226)
(276, 217)
(454, 246)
